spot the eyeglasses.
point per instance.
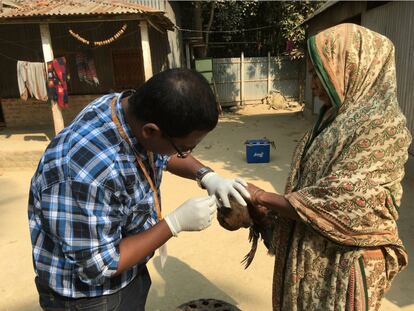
(180, 154)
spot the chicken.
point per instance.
(258, 220)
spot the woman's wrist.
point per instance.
(256, 196)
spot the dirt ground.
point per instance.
(201, 265)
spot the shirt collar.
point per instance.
(122, 119)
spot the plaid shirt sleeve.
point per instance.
(84, 218)
(163, 160)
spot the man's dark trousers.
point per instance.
(130, 298)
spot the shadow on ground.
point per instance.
(181, 283)
(284, 129)
(36, 134)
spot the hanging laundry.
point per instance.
(86, 68)
(31, 79)
(57, 81)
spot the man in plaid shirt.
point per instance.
(93, 202)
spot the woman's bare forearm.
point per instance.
(276, 203)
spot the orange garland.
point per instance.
(99, 43)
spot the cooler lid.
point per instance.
(252, 142)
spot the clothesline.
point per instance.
(67, 35)
(91, 48)
(43, 81)
(17, 44)
(32, 78)
(59, 37)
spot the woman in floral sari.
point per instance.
(335, 240)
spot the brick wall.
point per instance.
(36, 114)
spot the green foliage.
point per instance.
(293, 14)
(284, 17)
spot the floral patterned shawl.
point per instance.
(345, 182)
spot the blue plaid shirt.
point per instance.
(87, 194)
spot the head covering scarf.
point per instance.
(345, 180)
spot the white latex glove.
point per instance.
(193, 215)
(222, 188)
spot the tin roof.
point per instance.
(23, 9)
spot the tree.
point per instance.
(294, 14)
(229, 18)
(256, 27)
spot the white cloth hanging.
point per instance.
(31, 78)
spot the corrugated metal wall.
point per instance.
(175, 50)
(159, 50)
(22, 42)
(103, 55)
(396, 21)
(226, 73)
(283, 75)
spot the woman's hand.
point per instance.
(254, 192)
(265, 205)
(258, 212)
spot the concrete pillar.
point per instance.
(58, 122)
(146, 50)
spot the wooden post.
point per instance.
(146, 50)
(241, 78)
(58, 121)
(268, 73)
(188, 55)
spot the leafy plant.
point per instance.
(256, 27)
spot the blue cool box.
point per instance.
(257, 150)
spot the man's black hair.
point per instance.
(179, 101)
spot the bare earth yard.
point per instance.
(201, 265)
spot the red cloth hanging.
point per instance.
(57, 81)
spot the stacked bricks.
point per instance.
(36, 114)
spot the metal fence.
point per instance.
(249, 79)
